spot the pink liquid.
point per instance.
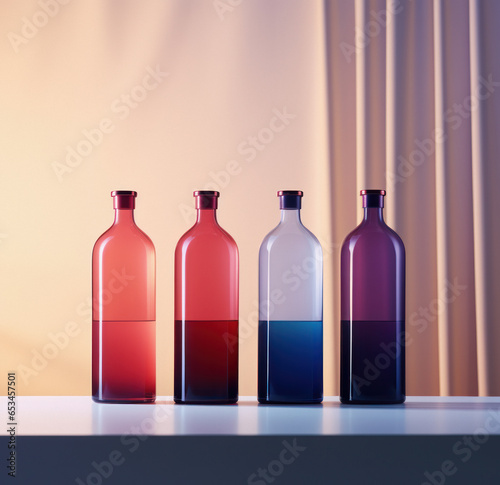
(206, 361)
(126, 370)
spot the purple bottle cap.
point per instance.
(206, 199)
(290, 199)
(124, 199)
(373, 198)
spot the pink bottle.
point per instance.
(123, 309)
(206, 310)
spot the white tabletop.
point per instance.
(80, 416)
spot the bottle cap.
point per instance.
(124, 199)
(373, 197)
(206, 199)
(290, 199)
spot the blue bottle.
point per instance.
(290, 310)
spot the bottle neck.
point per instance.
(206, 216)
(373, 214)
(124, 216)
(290, 216)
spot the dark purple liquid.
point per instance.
(206, 361)
(372, 362)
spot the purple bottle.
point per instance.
(372, 286)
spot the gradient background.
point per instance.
(225, 79)
(227, 73)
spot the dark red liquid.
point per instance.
(206, 361)
(124, 358)
(372, 362)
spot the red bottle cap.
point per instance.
(206, 199)
(124, 199)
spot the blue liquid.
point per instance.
(290, 361)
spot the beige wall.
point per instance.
(226, 78)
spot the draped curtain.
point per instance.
(414, 107)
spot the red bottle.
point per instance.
(206, 310)
(124, 309)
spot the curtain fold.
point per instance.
(478, 187)
(442, 231)
(424, 114)
(362, 105)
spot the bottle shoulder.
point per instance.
(284, 233)
(199, 235)
(365, 233)
(130, 235)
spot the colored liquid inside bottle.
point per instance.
(291, 361)
(126, 371)
(208, 356)
(372, 362)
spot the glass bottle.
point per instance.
(372, 354)
(206, 310)
(290, 367)
(123, 309)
